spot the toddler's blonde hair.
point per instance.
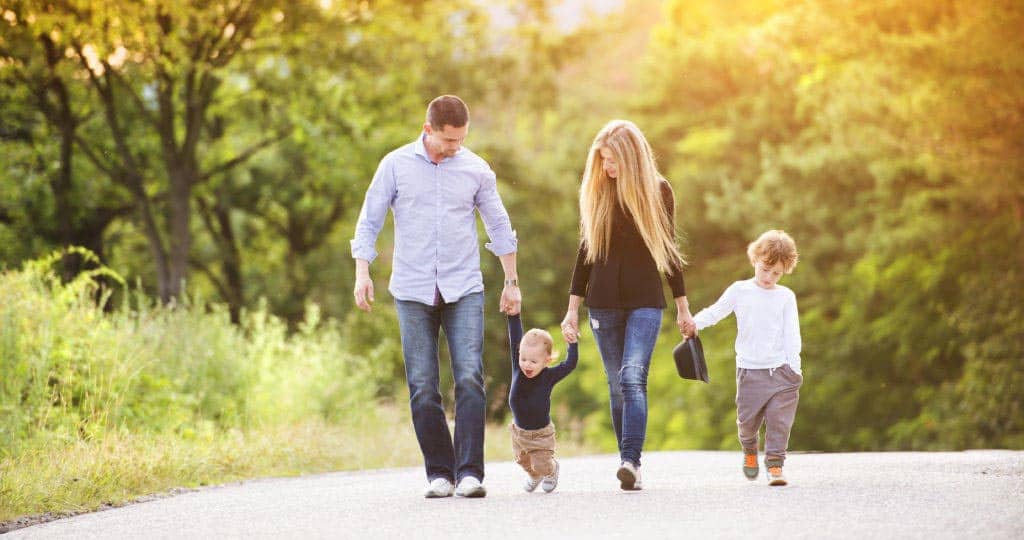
(772, 247)
(537, 336)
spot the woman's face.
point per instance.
(608, 163)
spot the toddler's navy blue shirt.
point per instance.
(530, 399)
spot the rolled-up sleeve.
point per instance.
(495, 217)
(379, 197)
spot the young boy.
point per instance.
(768, 376)
(533, 434)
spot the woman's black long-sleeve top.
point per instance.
(628, 277)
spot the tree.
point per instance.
(42, 103)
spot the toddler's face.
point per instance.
(532, 360)
(767, 276)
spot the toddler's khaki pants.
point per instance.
(534, 449)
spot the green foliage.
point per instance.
(846, 124)
(884, 136)
(74, 371)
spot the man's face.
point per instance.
(446, 142)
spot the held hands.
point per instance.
(687, 326)
(570, 327)
(511, 300)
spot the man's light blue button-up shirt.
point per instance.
(434, 205)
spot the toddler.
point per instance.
(533, 434)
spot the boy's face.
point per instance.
(532, 359)
(766, 276)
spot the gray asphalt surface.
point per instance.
(974, 494)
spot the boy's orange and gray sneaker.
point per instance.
(531, 483)
(775, 477)
(550, 482)
(750, 467)
(629, 476)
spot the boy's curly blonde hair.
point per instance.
(772, 247)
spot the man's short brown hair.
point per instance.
(447, 111)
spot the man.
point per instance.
(433, 186)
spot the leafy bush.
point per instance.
(75, 370)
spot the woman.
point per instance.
(628, 243)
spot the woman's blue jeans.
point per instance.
(625, 339)
(463, 323)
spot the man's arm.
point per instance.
(503, 239)
(371, 219)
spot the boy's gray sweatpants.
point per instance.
(770, 397)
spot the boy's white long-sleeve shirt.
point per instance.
(768, 325)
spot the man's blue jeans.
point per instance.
(625, 339)
(463, 323)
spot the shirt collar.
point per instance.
(421, 149)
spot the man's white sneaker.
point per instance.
(549, 483)
(629, 476)
(531, 483)
(439, 487)
(470, 487)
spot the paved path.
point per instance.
(975, 494)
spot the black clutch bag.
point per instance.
(689, 357)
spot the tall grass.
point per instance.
(180, 394)
(101, 406)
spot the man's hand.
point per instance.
(511, 300)
(363, 291)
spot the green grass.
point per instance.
(82, 476)
(100, 407)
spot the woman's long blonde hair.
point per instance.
(638, 190)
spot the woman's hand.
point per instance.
(571, 326)
(571, 322)
(687, 326)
